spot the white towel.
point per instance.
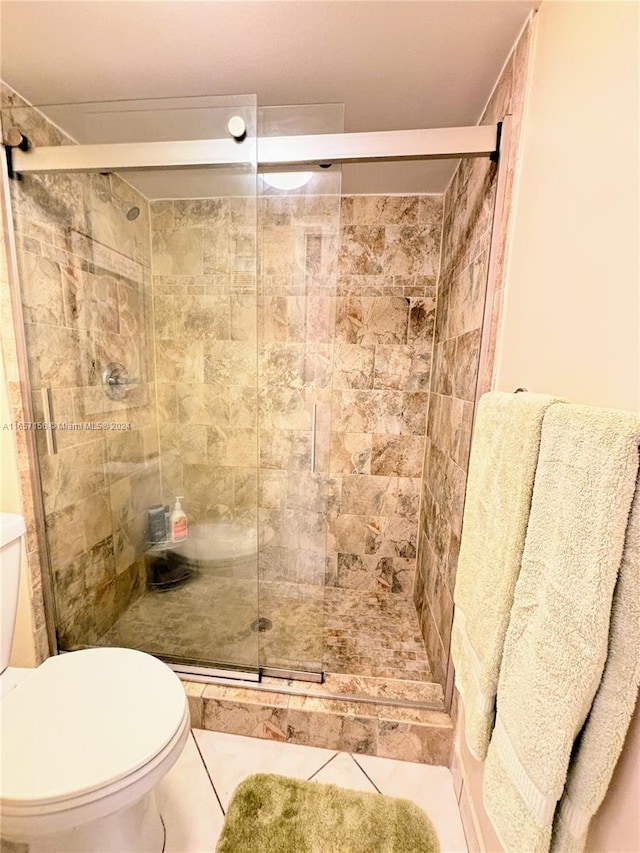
(600, 742)
(557, 640)
(502, 467)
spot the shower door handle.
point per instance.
(52, 448)
(313, 439)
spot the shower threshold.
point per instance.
(230, 676)
(298, 685)
(390, 718)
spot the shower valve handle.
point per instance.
(117, 381)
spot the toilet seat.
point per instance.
(87, 733)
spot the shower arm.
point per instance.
(265, 153)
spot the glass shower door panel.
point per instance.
(205, 302)
(298, 239)
(139, 294)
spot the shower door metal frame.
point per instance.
(277, 152)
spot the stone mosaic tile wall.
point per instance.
(462, 284)
(84, 272)
(244, 318)
(345, 299)
(385, 310)
(204, 294)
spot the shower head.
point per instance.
(107, 195)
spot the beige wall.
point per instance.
(572, 312)
(572, 322)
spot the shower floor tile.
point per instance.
(208, 620)
(374, 634)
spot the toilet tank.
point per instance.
(12, 528)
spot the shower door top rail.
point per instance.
(272, 152)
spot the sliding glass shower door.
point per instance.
(139, 293)
(179, 327)
(298, 235)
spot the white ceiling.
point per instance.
(394, 64)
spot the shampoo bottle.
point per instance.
(156, 524)
(178, 522)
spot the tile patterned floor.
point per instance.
(373, 634)
(209, 617)
(195, 794)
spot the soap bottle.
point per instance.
(178, 522)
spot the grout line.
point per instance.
(204, 764)
(315, 773)
(360, 767)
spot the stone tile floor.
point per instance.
(196, 792)
(373, 634)
(208, 619)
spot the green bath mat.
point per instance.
(275, 814)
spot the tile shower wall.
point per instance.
(204, 289)
(346, 301)
(387, 268)
(84, 272)
(242, 356)
(462, 284)
(298, 246)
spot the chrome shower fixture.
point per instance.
(107, 195)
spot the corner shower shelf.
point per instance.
(163, 545)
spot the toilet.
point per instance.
(86, 737)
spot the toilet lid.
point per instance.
(84, 720)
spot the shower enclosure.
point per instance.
(194, 329)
